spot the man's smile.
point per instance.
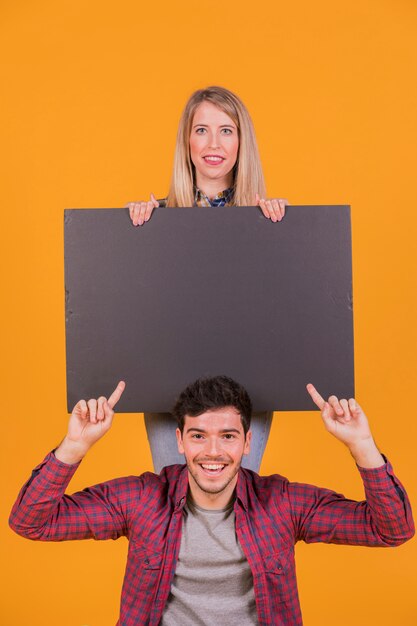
(212, 469)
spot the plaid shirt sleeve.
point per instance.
(383, 519)
(43, 512)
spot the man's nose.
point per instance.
(214, 447)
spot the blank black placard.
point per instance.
(207, 291)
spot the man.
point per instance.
(210, 542)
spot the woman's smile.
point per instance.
(212, 159)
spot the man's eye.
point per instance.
(197, 436)
(229, 436)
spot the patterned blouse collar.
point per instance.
(224, 198)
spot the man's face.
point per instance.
(213, 444)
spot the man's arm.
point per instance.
(42, 511)
(383, 519)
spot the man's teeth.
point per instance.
(211, 467)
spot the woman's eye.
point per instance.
(227, 131)
(200, 131)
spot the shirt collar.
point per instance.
(242, 488)
(181, 487)
(223, 198)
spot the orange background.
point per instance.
(91, 96)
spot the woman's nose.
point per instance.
(213, 140)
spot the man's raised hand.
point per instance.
(88, 422)
(347, 422)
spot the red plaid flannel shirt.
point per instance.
(272, 514)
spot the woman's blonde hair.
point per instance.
(248, 178)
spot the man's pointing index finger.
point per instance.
(315, 396)
(116, 395)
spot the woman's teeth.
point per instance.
(213, 159)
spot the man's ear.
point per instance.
(248, 440)
(178, 434)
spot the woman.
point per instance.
(216, 163)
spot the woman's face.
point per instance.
(214, 148)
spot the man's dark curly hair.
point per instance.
(207, 394)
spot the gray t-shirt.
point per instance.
(213, 583)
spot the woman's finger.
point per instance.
(141, 213)
(277, 208)
(283, 203)
(262, 204)
(136, 212)
(271, 210)
(149, 209)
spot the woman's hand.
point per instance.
(273, 209)
(140, 212)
